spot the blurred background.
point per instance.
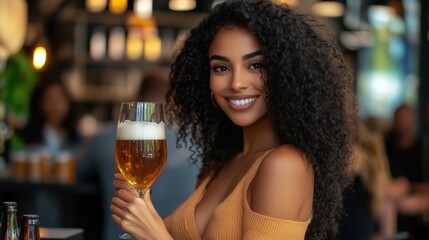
(101, 49)
(99, 52)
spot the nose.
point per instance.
(239, 81)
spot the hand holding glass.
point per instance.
(140, 148)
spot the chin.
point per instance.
(243, 122)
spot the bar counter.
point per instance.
(77, 204)
(9, 183)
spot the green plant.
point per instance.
(17, 81)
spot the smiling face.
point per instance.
(236, 75)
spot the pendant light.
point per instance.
(118, 6)
(288, 2)
(96, 5)
(328, 9)
(143, 8)
(182, 5)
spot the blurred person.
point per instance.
(367, 210)
(404, 146)
(51, 127)
(405, 153)
(172, 187)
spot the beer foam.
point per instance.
(130, 130)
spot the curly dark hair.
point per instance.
(310, 98)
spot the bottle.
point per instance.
(29, 228)
(9, 225)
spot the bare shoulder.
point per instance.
(285, 165)
(283, 185)
(286, 158)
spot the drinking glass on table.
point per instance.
(140, 148)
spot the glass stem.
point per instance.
(142, 191)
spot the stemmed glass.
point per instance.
(140, 148)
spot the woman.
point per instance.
(52, 124)
(368, 211)
(269, 106)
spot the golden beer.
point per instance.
(140, 152)
(140, 161)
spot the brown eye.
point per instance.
(255, 66)
(220, 69)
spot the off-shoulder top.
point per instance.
(233, 218)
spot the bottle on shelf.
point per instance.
(29, 227)
(9, 225)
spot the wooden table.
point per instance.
(61, 233)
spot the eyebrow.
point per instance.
(246, 56)
(218, 57)
(252, 54)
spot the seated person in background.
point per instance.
(51, 125)
(405, 152)
(367, 211)
(177, 179)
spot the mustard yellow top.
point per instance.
(233, 218)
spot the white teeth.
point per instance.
(242, 102)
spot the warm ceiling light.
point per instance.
(152, 48)
(116, 46)
(134, 44)
(143, 8)
(96, 5)
(288, 2)
(97, 44)
(39, 57)
(118, 6)
(182, 5)
(328, 9)
(13, 27)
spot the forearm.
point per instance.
(387, 220)
(414, 204)
(165, 236)
(155, 235)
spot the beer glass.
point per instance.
(140, 148)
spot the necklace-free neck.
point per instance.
(259, 136)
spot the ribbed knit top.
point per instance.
(233, 218)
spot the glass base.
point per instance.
(126, 236)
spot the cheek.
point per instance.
(259, 80)
(216, 85)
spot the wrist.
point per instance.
(162, 234)
(166, 235)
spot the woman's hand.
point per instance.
(136, 215)
(119, 182)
